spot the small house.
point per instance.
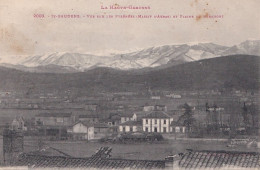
(114, 119)
(126, 117)
(54, 119)
(18, 123)
(130, 126)
(177, 127)
(82, 130)
(101, 128)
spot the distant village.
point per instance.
(43, 130)
(74, 119)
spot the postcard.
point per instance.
(129, 84)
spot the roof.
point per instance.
(219, 159)
(127, 114)
(101, 125)
(132, 123)
(85, 123)
(54, 115)
(49, 151)
(141, 113)
(157, 114)
(176, 123)
(99, 160)
(88, 116)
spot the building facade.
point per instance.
(157, 121)
(82, 131)
(130, 126)
(54, 119)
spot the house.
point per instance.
(133, 116)
(54, 125)
(54, 119)
(130, 126)
(137, 116)
(160, 108)
(82, 130)
(92, 107)
(18, 123)
(177, 127)
(126, 117)
(175, 96)
(157, 121)
(90, 118)
(101, 128)
(148, 108)
(155, 97)
(114, 119)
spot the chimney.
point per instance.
(12, 145)
(172, 162)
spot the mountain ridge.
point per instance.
(228, 72)
(143, 59)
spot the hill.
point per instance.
(238, 71)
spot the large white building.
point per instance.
(157, 121)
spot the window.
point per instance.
(146, 121)
(155, 129)
(164, 121)
(131, 129)
(123, 129)
(164, 129)
(155, 121)
(146, 129)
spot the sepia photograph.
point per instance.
(129, 84)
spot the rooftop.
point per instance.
(101, 125)
(157, 114)
(219, 159)
(85, 123)
(99, 160)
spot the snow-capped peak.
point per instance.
(149, 57)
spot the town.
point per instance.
(132, 119)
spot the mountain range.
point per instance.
(227, 72)
(154, 57)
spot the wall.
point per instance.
(91, 133)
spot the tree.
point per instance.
(245, 115)
(187, 117)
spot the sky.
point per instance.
(22, 34)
